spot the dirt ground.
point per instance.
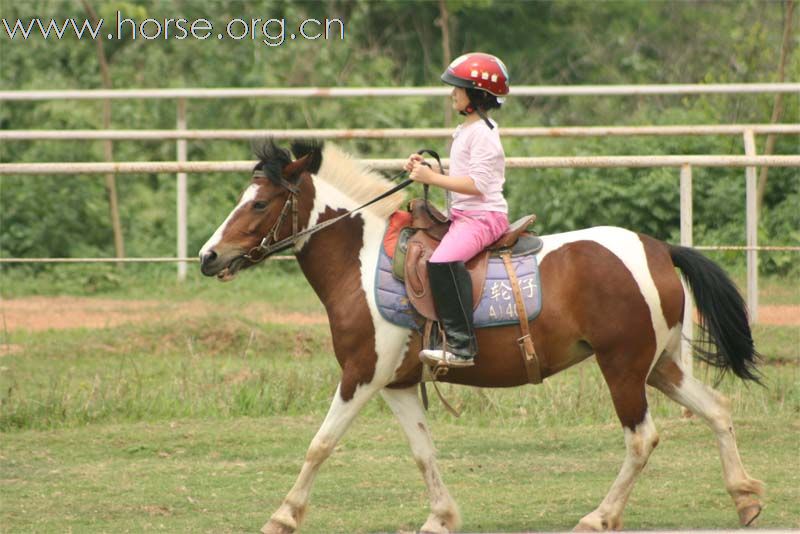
(44, 313)
(780, 315)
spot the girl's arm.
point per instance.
(458, 184)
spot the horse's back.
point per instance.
(620, 241)
(642, 255)
(606, 282)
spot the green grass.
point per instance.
(220, 366)
(229, 476)
(227, 365)
(778, 291)
(200, 425)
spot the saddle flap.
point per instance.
(401, 250)
(513, 233)
(418, 251)
(430, 219)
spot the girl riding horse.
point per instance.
(478, 211)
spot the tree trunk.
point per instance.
(108, 147)
(444, 22)
(777, 108)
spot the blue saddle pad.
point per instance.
(496, 307)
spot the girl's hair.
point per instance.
(482, 99)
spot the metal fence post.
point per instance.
(687, 329)
(181, 191)
(751, 179)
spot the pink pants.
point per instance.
(470, 232)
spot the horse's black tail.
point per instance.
(726, 342)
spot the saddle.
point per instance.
(417, 242)
(412, 237)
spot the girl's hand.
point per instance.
(421, 173)
(412, 159)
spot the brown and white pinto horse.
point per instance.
(607, 291)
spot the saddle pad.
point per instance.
(397, 222)
(496, 307)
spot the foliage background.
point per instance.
(400, 44)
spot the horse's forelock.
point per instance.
(272, 159)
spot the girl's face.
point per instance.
(459, 98)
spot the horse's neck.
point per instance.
(340, 260)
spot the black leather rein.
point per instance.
(269, 244)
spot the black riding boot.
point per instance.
(451, 287)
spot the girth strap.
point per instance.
(525, 342)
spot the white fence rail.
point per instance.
(393, 92)
(389, 133)
(135, 167)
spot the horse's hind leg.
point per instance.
(406, 406)
(340, 414)
(628, 393)
(668, 377)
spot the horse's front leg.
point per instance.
(406, 406)
(341, 413)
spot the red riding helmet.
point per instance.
(478, 71)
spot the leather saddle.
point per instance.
(417, 243)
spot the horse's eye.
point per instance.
(259, 205)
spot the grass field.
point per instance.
(200, 425)
(229, 475)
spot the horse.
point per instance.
(608, 292)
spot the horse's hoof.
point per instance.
(273, 527)
(594, 522)
(587, 526)
(437, 525)
(748, 514)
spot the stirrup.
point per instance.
(442, 358)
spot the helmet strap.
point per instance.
(471, 108)
(482, 115)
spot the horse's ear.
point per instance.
(293, 170)
(310, 148)
(308, 162)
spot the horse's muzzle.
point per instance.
(209, 264)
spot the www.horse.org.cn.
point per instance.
(271, 31)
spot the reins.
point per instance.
(425, 187)
(269, 244)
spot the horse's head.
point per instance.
(274, 206)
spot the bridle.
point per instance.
(264, 249)
(270, 245)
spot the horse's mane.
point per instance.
(351, 178)
(334, 166)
